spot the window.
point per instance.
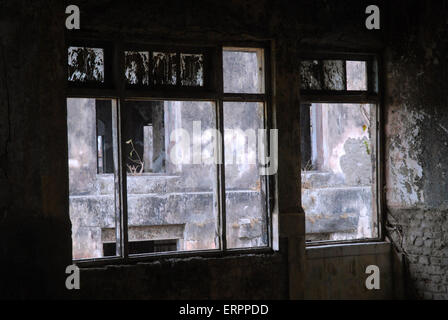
(172, 162)
(339, 142)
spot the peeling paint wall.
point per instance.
(404, 170)
(417, 144)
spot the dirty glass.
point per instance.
(85, 64)
(356, 75)
(246, 212)
(192, 70)
(243, 70)
(333, 74)
(171, 175)
(92, 194)
(164, 68)
(339, 178)
(310, 75)
(137, 67)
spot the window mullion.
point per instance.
(221, 166)
(221, 178)
(123, 186)
(117, 184)
(120, 84)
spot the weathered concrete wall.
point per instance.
(417, 143)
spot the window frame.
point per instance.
(116, 89)
(374, 96)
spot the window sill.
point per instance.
(178, 256)
(348, 249)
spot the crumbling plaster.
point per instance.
(417, 146)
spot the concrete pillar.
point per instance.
(291, 216)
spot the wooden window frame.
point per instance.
(373, 95)
(116, 89)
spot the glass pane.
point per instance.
(310, 75)
(356, 75)
(165, 68)
(338, 184)
(92, 158)
(137, 67)
(85, 64)
(334, 74)
(243, 71)
(245, 187)
(192, 69)
(171, 175)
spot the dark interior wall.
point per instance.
(35, 243)
(417, 143)
(34, 226)
(336, 272)
(244, 277)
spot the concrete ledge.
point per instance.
(349, 249)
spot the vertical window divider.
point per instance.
(379, 78)
(117, 180)
(122, 192)
(221, 166)
(344, 64)
(321, 73)
(178, 68)
(267, 126)
(120, 84)
(369, 76)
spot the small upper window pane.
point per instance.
(310, 75)
(137, 67)
(192, 69)
(243, 71)
(356, 75)
(165, 68)
(85, 64)
(334, 74)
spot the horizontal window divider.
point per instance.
(251, 97)
(92, 93)
(308, 96)
(171, 96)
(251, 45)
(348, 56)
